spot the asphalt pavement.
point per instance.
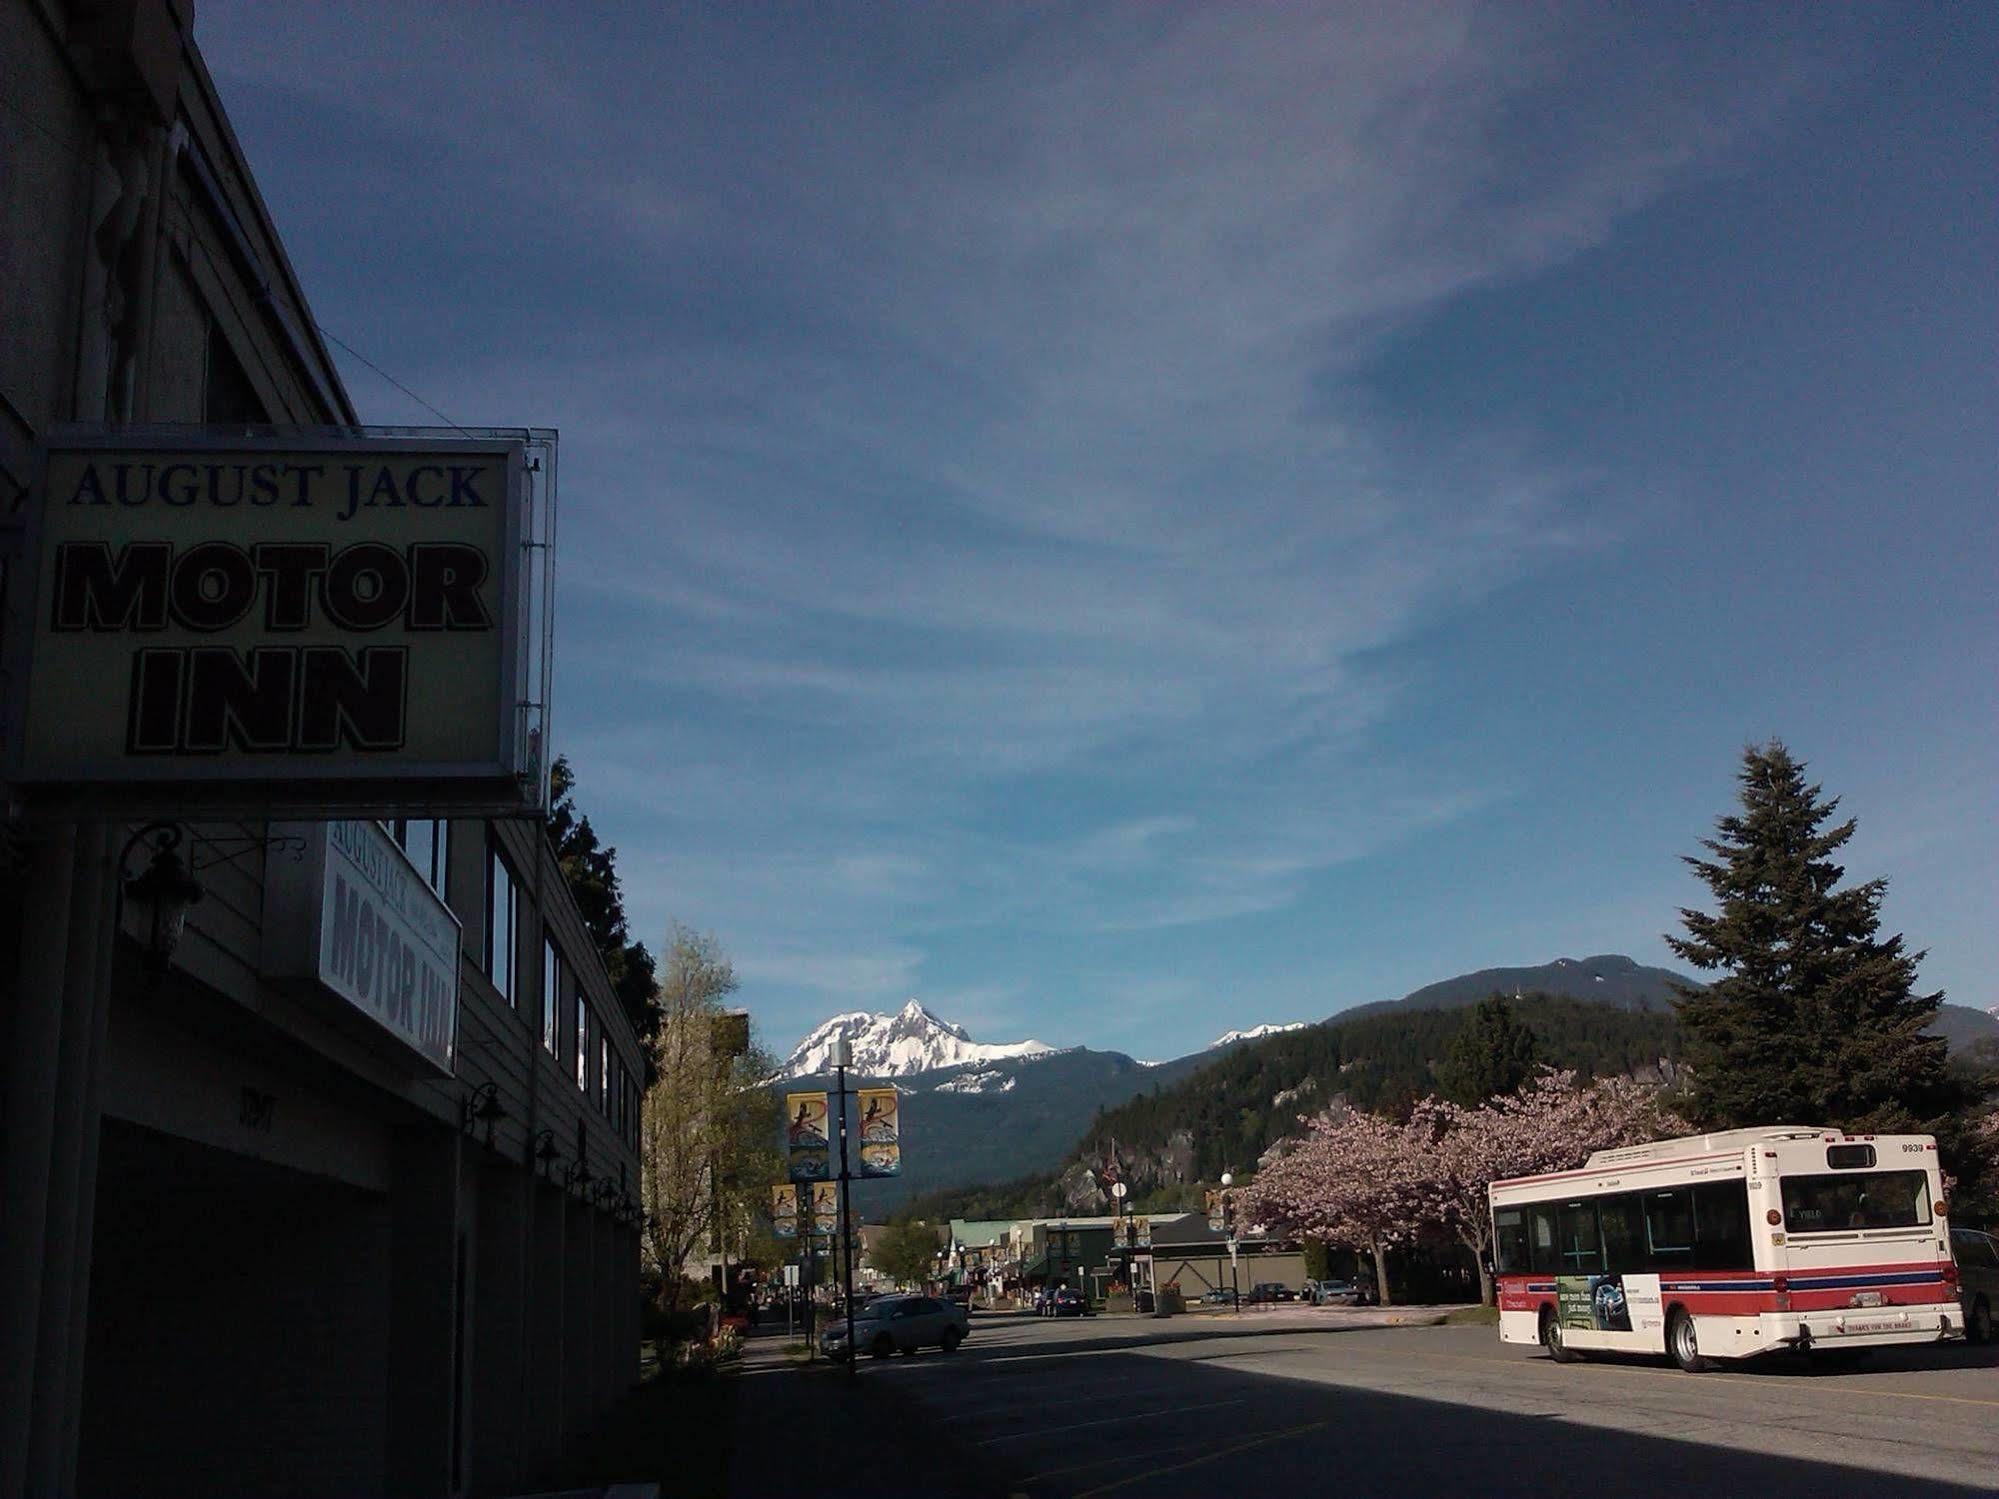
(1330, 1402)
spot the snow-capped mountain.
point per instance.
(989, 1080)
(911, 1040)
(1231, 1037)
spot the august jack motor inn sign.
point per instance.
(273, 609)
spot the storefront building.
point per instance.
(339, 1197)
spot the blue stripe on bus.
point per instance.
(1718, 1285)
(1842, 1282)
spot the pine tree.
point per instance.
(1491, 1055)
(591, 872)
(1815, 1020)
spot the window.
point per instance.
(1582, 1250)
(1541, 1256)
(1622, 1221)
(1669, 1228)
(502, 922)
(1849, 1157)
(551, 994)
(1509, 1243)
(582, 1043)
(228, 398)
(603, 1071)
(1881, 1199)
(428, 845)
(1721, 1227)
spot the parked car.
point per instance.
(1269, 1292)
(891, 1324)
(1977, 1256)
(1068, 1303)
(1336, 1293)
(1220, 1296)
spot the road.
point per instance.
(1316, 1402)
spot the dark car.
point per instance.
(1068, 1303)
(1269, 1292)
(1977, 1257)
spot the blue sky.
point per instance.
(1128, 522)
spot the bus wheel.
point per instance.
(1682, 1344)
(1552, 1340)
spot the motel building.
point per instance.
(318, 1124)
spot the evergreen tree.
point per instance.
(591, 872)
(1492, 1055)
(1815, 1020)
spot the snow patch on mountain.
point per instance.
(990, 1081)
(911, 1040)
(1231, 1037)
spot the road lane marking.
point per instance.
(1195, 1462)
(1675, 1376)
(1049, 1431)
(1115, 1457)
(1058, 1398)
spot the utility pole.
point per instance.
(1228, 1227)
(843, 1054)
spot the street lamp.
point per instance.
(1228, 1227)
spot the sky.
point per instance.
(1122, 522)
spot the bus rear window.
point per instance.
(1880, 1199)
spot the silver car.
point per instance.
(899, 1323)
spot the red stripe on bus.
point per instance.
(1555, 1176)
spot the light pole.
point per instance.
(1119, 1190)
(843, 1056)
(1228, 1227)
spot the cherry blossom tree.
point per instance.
(1551, 1124)
(1349, 1181)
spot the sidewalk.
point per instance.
(810, 1429)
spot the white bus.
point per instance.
(1727, 1245)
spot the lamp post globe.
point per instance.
(1228, 1178)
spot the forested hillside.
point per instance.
(1228, 1113)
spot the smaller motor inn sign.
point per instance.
(326, 608)
(353, 919)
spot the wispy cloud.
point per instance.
(973, 510)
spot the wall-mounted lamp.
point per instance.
(481, 1105)
(161, 893)
(544, 1151)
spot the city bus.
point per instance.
(1726, 1245)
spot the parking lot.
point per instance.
(1315, 1401)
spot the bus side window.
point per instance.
(1669, 1228)
(1721, 1227)
(1623, 1237)
(1541, 1256)
(1509, 1234)
(1582, 1250)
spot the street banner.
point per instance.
(806, 1116)
(881, 1160)
(805, 1134)
(881, 1132)
(881, 1121)
(1144, 1227)
(825, 1208)
(784, 1211)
